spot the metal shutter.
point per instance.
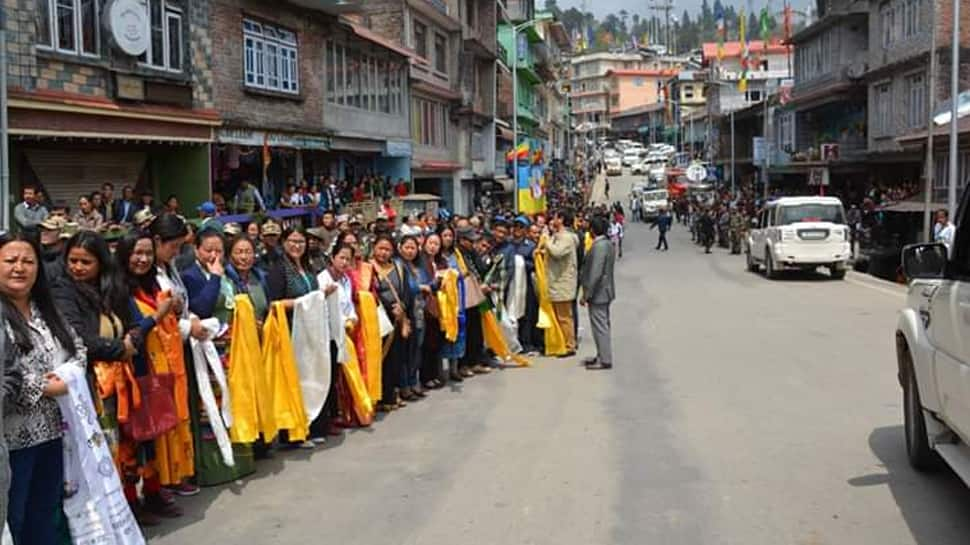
(68, 174)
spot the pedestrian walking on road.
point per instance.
(705, 226)
(662, 223)
(599, 292)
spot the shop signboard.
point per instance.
(248, 137)
(127, 21)
(395, 148)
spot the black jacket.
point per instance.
(84, 315)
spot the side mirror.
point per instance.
(924, 261)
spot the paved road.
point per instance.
(740, 411)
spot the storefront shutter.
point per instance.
(68, 174)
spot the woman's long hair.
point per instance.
(148, 282)
(110, 294)
(40, 295)
(305, 258)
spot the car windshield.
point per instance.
(656, 195)
(811, 212)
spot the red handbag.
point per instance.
(154, 414)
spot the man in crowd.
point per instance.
(248, 200)
(662, 223)
(599, 292)
(944, 229)
(563, 273)
(29, 213)
(124, 209)
(270, 236)
(327, 231)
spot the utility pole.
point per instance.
(664, 6)
(951, 197)
(930, 106)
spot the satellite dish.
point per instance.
(696, 173)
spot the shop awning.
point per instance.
(436, 166)
(505, 134)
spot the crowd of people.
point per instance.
(206, 346)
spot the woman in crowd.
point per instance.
(176, 461)
(42, 342)
(87, 218)
(454, 351)
(431, 265)
(395, 296)
(341, 402)
(136, 255)
(419, 287)
(246, 277)
(290, 278)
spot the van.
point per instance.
(802, 233)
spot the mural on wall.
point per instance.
(529, 159)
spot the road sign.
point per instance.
(696, 173)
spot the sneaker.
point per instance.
(308, 445)
(186, 489)
(318, 440)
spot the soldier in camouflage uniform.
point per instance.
(736, 230)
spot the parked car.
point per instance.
(642, 167)
(799, 233)
(933, 352)
(631, 156)
(614, 166)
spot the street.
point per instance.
(739, 411)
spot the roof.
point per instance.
(639, 110)
(733, 49)
(376, 38)
(646, 73)
(793, 201)
(941, 131)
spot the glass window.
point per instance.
(441, 53)
(272, 58)
(44, 35)
(165, 45)
(65, 26)
(830, 213)
(916, 108)
(421, 39)
(89, 27)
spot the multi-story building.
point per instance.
(91, 103)
(432, 30)
(823, 124)
(553, 110)
(591, 86)
(304, 94)
(637, 87)
(900, 35)
(479, 51)
(771, 65)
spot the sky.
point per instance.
(601, 8)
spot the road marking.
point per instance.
(875, 287)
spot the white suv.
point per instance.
(933, 352)
(799, 233)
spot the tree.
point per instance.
(624, 16)
(572, 19)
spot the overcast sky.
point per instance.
(603, 7)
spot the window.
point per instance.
(753, 95)
(470, 13)
(941, 181)
(271, 60)
(421, 39)
(911, 10)
(441, 53)
(887, 18)
(368, 82)
(165, 32)
(916, 101)
(786, 131)
(688, 92)
(69, 26)
(882, 124)
(429, 122)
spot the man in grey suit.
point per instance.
(599, 292)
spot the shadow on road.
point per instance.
(934, 505)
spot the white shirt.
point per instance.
(344, 293)
(944, 234)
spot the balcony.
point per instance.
(480, 42)
(526, 63)
(544, 62)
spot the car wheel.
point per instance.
(918, 450)
(770, 271)
(837, 272)
(751, 263)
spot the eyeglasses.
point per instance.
(296, 242)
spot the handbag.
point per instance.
(155, 414)
(403, 321)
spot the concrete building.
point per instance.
(88, 103)
(304, 94)
(431, 30)
(554, 118)
(772, 65)
(632, 88)
(591, 87)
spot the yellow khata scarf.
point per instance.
(251, 397)
(555, 340)
(495, 341)
(363, 406)
(448, 305)
(371, 330)
(588, 242)
(279, 365)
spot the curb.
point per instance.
(863, 278)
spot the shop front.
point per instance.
(437, 178)
(68, 148)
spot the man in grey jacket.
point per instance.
(599, 292)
